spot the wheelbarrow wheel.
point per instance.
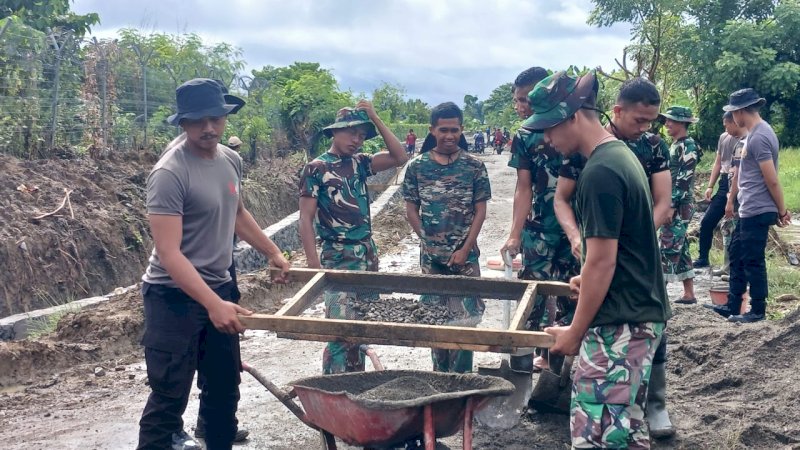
(327, 440)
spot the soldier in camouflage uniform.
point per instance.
(683, 157)
(535, 232)
(333, 190)
(446, 190)
(637, 106)
(622, 306)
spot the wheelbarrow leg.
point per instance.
(467, 430)
(430, 434)
(328, 441)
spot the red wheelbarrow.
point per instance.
(386, 409)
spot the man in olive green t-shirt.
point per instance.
(623, 306)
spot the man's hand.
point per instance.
(281, 263)
(785, 219)
(224, 317)
(576, 246)
(575, 287)
(512, 246)
(459, 257)
(708, 193)
(567, 343)
(366, 106)
(729, 209)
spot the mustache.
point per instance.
(209, 136)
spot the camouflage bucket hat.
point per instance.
(350, 117)
(679, 114)
(557, 98)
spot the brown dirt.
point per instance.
(59, 258)
(390, 227)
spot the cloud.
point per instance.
(438, 50)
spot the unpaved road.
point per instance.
(730, 386)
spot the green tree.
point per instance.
(473, 109)
(498, 110)
(44, 15)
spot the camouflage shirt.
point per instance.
(447, 195)
(651, 151)
(340, 186)
(529, 152)
(682, 161)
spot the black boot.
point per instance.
(731, 308)
(757, 313)
(657, 416)
(200, 433)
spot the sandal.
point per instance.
(686, 301)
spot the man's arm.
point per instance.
(562, 203)
(396, 156)
(308, 210)
(459, 257)
(523, 197)
(732, 193)
(248, 230)
(661, 190)
(412, 214)
(596, 274)
(774, 185)
(714, 176)
(167, 233)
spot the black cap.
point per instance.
(203, 97)
(742, 99)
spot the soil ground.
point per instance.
(730, 386)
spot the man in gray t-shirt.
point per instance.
(760, 206)
(191, 320)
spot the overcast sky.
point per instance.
(438, 50)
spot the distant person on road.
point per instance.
(333, 190)
(446, 191)
(761, 205)
(535, 231)
(411, 142)
(636, 108)
(622, 301)
(720, 171)
(191, 324)
(479, 142)
(683, 158)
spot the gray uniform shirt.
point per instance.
(206, 193)
(754, 197)
(725, 148)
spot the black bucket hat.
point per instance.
(203, 97)
(742, 99)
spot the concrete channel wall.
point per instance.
(285, 234)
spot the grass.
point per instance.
(42, 326)
(789, 176)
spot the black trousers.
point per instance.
(714, 213)
(660, 356)
(179, 340)
(748, 261)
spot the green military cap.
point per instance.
(351, 117)
(558, 97)
(679, 114)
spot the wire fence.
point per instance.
(91, 96)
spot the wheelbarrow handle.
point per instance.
(283, 396)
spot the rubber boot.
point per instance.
(657, 415)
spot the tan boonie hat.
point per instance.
(234, 141)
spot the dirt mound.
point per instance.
(733, 386)
(58, 258)
(104, 242)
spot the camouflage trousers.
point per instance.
(464, 309)
(341, 357)
(548, 256)
(676, 262)
(726, 228)
(609, 391)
